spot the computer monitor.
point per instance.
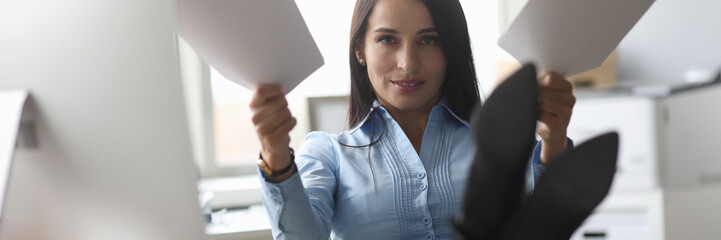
(112, 157)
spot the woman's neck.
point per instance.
(412, 122)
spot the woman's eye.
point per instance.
(429, 40)
(386, 40)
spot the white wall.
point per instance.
(673, 36)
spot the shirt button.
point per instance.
(429, 236)
(426, 220)
(423, 187)
(421, 175)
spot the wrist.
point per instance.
(552, 148)
(557, 142)
(282, 177)
(275, 159)
(277, 175)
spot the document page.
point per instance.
(250, 42)
(11, 107)
(570, 36)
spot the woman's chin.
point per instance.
(410, 104)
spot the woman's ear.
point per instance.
(359, 53)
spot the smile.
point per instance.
(406, 85)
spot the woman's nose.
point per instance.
(407, 59)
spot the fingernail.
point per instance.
(543, 76)
(282, 89)
(547, 78)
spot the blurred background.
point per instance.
(659, 89)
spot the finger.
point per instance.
(551, 125)
(560, 97)
(272, 105)
(282, 132)
(554, 81)
(264, 92)
(273, 121)
(550, 132)
(552, 121)
(553, 107)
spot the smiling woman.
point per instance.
(406, 62)
(399, 172)
(398, 76)
(232, 147)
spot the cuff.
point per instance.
(283, 191)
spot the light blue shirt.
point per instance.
(394, 194)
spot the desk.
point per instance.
(248, 224)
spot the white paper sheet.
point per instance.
(11, 107)
(250, 41)
(570, 36)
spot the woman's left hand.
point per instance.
(556, 100)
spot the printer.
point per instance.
(668, 181)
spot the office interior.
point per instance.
(128, 134)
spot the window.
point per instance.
(224, 138)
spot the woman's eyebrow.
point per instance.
(427, 30)
(385, 30)
(422, 31)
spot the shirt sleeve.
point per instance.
(301, 207)
(536, 168)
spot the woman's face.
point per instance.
(403, 54)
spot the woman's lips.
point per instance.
(406, 85)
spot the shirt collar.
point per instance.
(443, 104)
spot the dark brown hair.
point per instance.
(460, 87)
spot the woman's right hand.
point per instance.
(273, 122)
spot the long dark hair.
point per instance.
(460, 87)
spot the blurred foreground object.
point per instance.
(112, 157)
(570, 188)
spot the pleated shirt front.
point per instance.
(385, 191)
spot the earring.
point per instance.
(362, 62)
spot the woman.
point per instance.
(400, 172)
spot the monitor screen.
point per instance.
(112, 155)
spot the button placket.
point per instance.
(421, 176)
(429, 236)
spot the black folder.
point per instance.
(495, 205)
